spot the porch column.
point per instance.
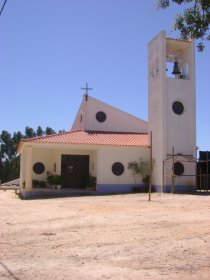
(28, 168)
(22, 179)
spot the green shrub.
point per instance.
(38, 184)
(91, 183)
(55, 180)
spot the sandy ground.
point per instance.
(105, 237)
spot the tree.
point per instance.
(49, 131)
(139, 168)
(29, 132)
(9, 158)
(134, 168)
(195, 20)
(5, 144)
(39, 131)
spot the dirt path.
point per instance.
(105, 237)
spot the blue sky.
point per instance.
(50, 48)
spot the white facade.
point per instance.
(169, 128)
(116, 120)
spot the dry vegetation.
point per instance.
(105, 237)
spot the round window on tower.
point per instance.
(100, 116)
(178, 168)
(178, 107)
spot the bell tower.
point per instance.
(172, 112)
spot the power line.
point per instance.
(2, 8)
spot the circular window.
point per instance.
(100, 116)
(117, 168)
(38, 168)
(178, 107)
(178, 168)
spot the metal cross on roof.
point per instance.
(86, 89)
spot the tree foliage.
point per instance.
(140, 168)
(49, 131)
(195, 20)
(9, 158)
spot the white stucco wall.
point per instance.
(157, 101)
(169, 129)
(47, 157)
(109, 155)
(116, 120)
(180, 128)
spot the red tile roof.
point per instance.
(94, 138)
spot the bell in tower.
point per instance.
(176, 68)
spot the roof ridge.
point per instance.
(45, 136)
(79, 130)
(114, 132)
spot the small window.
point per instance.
(100, 116)
(117, 168)
(38, 168)
(178, 168)
(178, 107)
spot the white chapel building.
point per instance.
(104, 139)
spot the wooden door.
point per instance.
(74, 170)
